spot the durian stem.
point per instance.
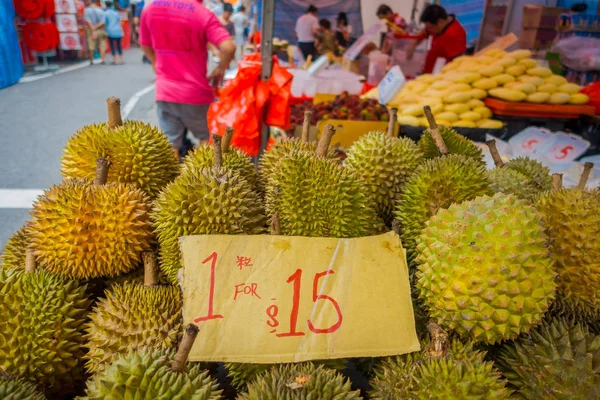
(150, 276)
(491, 144)
(227, 139)
(396, 227)
(392, 122)
(217, 149)
(439, 340)
(275, 225)
(557, 181)
(325, 141)
(114, 112)
(101, 171)
(29, 261)
(306, 126)
(587, 168)
(189, 336)
(434, 130)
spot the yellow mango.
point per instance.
(483, 111)
(459, 87)
(460, 97)
(527, 88)
(508, 94)
(447, 116)
(465, 124)
(547, 88)
(569, 88)
(520, 54)
(470, 116)
(478, 93)
(485, 59)
(422, 121)
(534, 80)
(491, 70)
(408, 120)
(538, 97)
(413, 110)
(506, 61)
(465, 77)
(457, 108)
(473, 103)
(559, 98)
(503, 79)
(450, 67)
(578, 98)
(416, 86)
(528, 63)
(516, 70)
(470, 67)
(485, 84)
(440, 84)
(436, 107)
(425, 78)
(556, 80)
(492, 53)
(542, 72)
(490, 124)
(511, 85)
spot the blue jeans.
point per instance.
(115, 46)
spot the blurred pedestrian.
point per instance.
(114, 30)
(175, 41)
(326, 38)
(307, 28)
(240, 23)
(95, 34)
(225, 19)
(139, 7)
(343, 30)
(218, 8)
(395, 23)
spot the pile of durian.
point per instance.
(505, 267)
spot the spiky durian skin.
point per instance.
(484, 269)
(461, 374)
(455, 143)
(507, 180)
(382, 165)
(573, 225)
(241, 374)
(321, 383)
(131, 316)
(13, 255)
(81, 230)
(236, 160)
(315, 196)
(204, 201)
(41, 335)
(436, 184)
(146, 374)
(139, 153)
(14, 388)
(538, 175)
(558, 360)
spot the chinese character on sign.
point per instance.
(244, 262)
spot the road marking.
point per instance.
(133, 100)
(74, 67)
(18, 198)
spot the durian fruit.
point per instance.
(241, 374)
(208, 200)
(14, 388)
(302, 381)
(382, 163)
(316, 196)
(140, 154)
(442, 370)
(572, 219)
(455, 144)
(150, 373)
(504, 179)
(537, 174)
(234, 159)
(13, 255)
(133, 315)
(558, 360)
(436, 184)
(84, 230)
(484, 270)
(41, 335)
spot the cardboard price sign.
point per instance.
(272, 299)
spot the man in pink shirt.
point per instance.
(174, 35)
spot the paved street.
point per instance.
(37, 118)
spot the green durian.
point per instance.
(133, 315)
(484, 270)
(140, 154)
(461, 373)
(507, 180)
(146, 373)
(13, 255)
(302, 381)
(241, 374)
(382, 164)
(15, 388)
(204, 201)
(572, 219)
(558, 360)
(455, 143)
(436, 184)
(316, 196)
(537, 174)
(41, 336)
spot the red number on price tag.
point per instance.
(211, 293)
(563, 153)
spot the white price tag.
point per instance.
(391, 84)
(320, 63)
(530, 139)
(353, 51)
(566, 148)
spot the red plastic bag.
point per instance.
(593, 92)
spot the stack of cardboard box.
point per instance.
(539, 26)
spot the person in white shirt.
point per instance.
(240, 23)
(307, 27)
